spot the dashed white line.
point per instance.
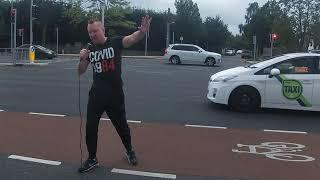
(42, 161)
(45, 114)
(104, 119)
(211, 127)
(281, 131)
(146, 174)
(153, 72)
(130, 121)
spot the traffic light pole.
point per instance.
(15, 30)
(31, 32)
(11, 37)
(271, 46)
(103, 8)
(57, 31)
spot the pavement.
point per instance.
(177, 133)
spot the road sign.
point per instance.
(31, 54)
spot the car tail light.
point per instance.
(166, 51)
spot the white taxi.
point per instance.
(290, 81)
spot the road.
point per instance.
(172, 135)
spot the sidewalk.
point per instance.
(139, 57)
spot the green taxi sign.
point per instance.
(292, 89)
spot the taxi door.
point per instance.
(316, 88)
(294, 85)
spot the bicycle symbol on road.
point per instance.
(276, 150)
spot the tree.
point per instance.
(50, 13)
(218, 33)
(157, 35)
(251, 11)
(238, 42)
(5, 23)
(188, 20)
(270, 18)
(303, 14)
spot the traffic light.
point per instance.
(35, 12)
(274, 36)
(13, 15)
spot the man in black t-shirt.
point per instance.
(106, 94)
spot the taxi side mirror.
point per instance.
(274, 72)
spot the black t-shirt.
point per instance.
(105, 60)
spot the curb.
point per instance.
(140, 57)
(24, 64)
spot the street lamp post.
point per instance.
(31, 33)
(57, 31)
(103, 5)
(168, 33)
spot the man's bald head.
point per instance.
(96, 31)
(96, 21)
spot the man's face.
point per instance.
(96, 33)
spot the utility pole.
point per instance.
(172, 37)
(15, 29)
(271, 49)
(168, 28)
(11, 34)
(57, 31)
(103, 4)
(31, 32)
(255, 48)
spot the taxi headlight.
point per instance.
(222, 78)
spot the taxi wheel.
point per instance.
(245, 99)
(175, 60)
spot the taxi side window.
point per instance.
(303, 65)
(265, 71)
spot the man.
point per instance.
(106, 94)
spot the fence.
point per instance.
(15, 56)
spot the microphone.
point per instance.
(89, 46)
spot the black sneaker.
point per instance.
(132, 158)
(88, 165)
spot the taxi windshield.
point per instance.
(267, 62)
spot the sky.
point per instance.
(232, 12)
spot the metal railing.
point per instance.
(18, 55)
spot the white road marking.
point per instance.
(104, 119)
(146, 174)
(153, 72)
(130, 121)
(280, 131)
(211, 127)
(42, 161)
(44, 114)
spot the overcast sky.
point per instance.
(231, 11)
